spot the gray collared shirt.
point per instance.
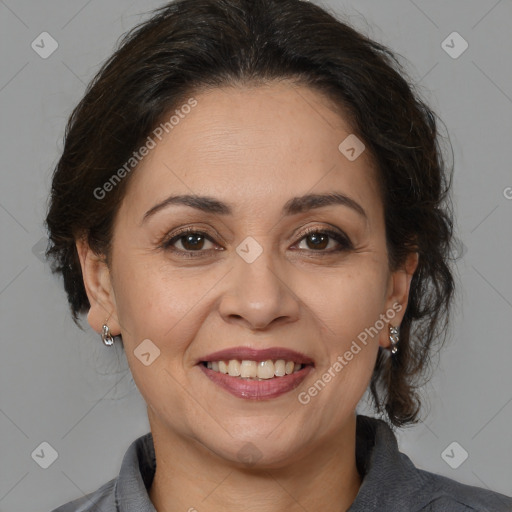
(391, 483)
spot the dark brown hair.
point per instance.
(190, 45)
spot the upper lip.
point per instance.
(252, 354)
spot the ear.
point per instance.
(98, 286)
(398, 296)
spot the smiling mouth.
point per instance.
(255, 370)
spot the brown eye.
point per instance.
(189, 241)
(192, 242)
(319, 240)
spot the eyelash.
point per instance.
(342, 239)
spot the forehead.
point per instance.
(267, 142)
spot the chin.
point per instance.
(260, 453)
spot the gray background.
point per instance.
(62, 386)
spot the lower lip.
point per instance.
(257, 389)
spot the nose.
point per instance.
(258, 294)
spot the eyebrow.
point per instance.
(292, 207)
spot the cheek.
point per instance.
(157, 303)
(349, 301)
(161, 302)
(348, 309)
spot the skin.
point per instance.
(253, 148)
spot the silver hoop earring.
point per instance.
(394, 338)
(106, 337)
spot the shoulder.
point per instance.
(452, 496)
(129, 489)
(391, 482)
(102, 499)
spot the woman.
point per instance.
(252, 201)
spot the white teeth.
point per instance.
(265, 369)
(256, 370)
(234, 368)
(280, 368)
(248, 369)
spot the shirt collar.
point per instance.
(136, 476)
(390, 481)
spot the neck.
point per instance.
(191, 478)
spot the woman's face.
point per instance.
(265, 266)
